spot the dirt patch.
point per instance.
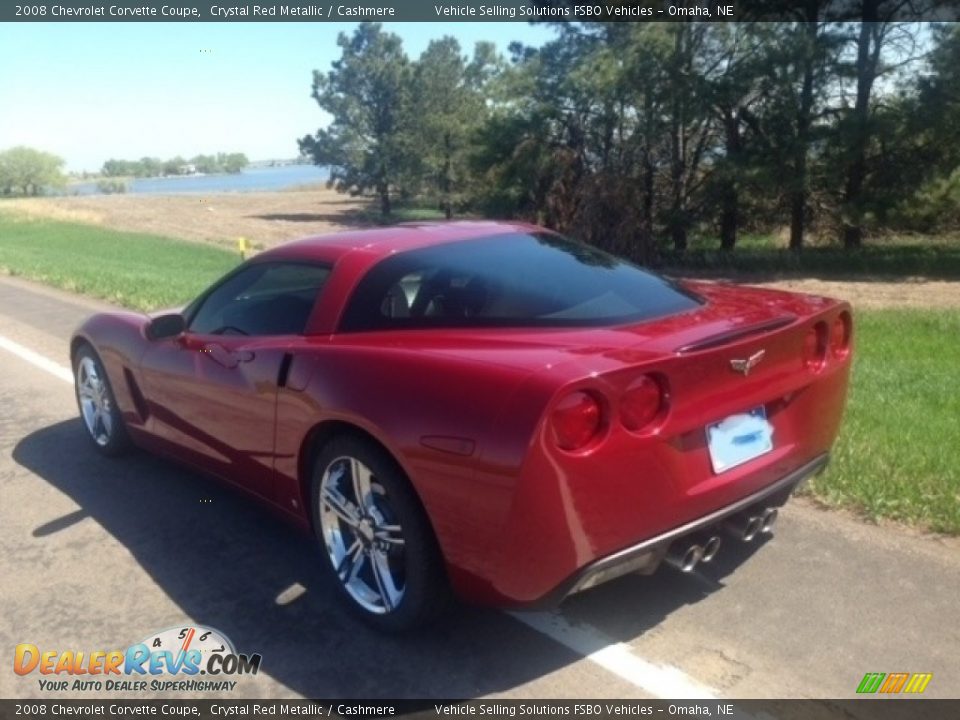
(876, 294)
(266, 219)
(271, 218)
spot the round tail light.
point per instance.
(576, 420)
(815, 347)
(641, 404)
(840, 336)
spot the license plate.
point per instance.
(738, 439)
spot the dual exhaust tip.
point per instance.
(686, 554)
(747, 526)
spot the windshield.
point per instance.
(523, 280)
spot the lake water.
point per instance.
(250, 180)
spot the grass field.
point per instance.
(898, 455)
(937, 260)
(400, 213)
(136, 270)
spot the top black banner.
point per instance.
(478, 11)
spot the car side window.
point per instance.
(261, 299)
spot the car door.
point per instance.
(211, 391)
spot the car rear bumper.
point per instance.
(645, 557)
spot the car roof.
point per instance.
(377, 243)
(354, 252)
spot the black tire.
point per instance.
(111, 437)
(425, 594)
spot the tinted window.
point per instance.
(509, 280)
(262, 299)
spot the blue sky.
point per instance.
(92, 91)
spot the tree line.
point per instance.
(25, 171)
(640, 136)
(155, 167)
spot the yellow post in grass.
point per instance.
(243, 245)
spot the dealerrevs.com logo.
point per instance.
(170, 660)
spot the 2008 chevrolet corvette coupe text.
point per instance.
(480, 406)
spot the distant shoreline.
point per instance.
(261, 178)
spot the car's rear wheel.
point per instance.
(374, 535)
(98, 409)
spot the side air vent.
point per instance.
(284, 372)
(139, 402)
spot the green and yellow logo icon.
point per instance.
(890, 683)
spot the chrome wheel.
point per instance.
(362, 535)
(95, 405)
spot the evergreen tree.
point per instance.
(366, 93)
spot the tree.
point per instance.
(801, 61)
(149, 167)
(807, 37)
(690, 124)
(591, 136)
(877, 32)
(232, 162)
(26, 171)
(446, 110)
(366, 93)
(174, 166)
(914, 180)
(937, 99)
(734, 91)
(119, 168)
(206, 163)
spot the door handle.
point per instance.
(226, 357)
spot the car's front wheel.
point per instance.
(95, 400)
(375, 537)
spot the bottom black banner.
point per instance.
(873, 709)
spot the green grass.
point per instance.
(898, 454)
(745, 240)
(757, 256)
(139, 271)
(399, 213)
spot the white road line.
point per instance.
(662, 681)
(36, 359)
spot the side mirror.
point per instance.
(166, 326)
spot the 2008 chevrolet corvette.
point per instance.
(480, 406)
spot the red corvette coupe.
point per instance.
(480, 406)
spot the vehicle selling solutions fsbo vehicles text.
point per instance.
(501, 11)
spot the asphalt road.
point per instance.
(96, 554)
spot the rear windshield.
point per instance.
(517, 280)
